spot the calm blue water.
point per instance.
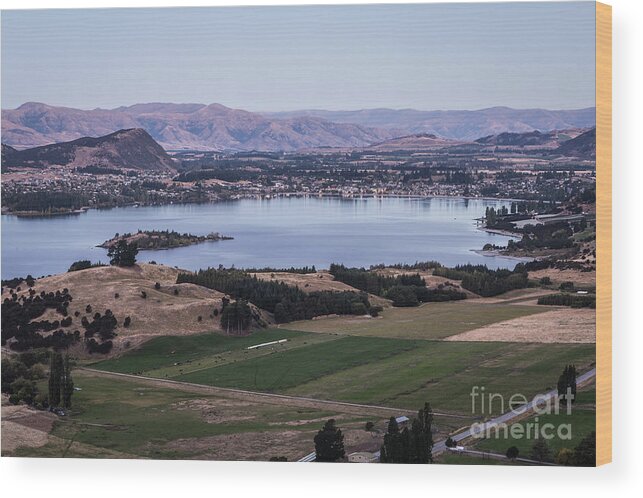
(277, 233)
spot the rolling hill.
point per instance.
(583, 146)
(130, 149)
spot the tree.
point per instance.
(123, 253)
(391, 451)
(565, 456)
(450, 442)
(585, 452)
(236, 317)
(67, 383)
(540, 451)
(426, 418)
(55, 374)
(369, 426)
(329, 443)
(512, 452)
(567, 382)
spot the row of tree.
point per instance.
(403, 290)
(286, 302)
(414, 445)
(572, 300)
(485, 282)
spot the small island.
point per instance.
(161, 239)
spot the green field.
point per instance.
(164, 352)
(282, 370)
(445, 372)
(371, 370)
(582, 422)
(463, 459)
(431, 321)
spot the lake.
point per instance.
(278, 233)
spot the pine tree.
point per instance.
(55, 371)
(426, 418)
(329, 443)
(67, 383)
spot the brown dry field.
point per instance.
(563, 325)
(24, 427)
(559, 276)
(161, 313)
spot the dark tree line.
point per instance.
(286, 302)
(414, 445)
(60, 384)
(83, 264)
(485, 282)
(402, 290)
(572, 300)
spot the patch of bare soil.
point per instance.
(217, 411)
(587, 278)
(563, 325)
(23, 426)
(261, 446)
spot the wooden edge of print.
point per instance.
(604, 233)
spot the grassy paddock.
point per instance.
(162, 352)
(582, 421)
(117, 418)
(444, 373)
(431, 321)
(279, 371)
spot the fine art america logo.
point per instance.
(505, 427)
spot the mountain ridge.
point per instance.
(217, 127)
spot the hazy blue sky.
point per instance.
(436, 56)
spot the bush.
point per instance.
(512, 452)
(157, 286)
(127, 322)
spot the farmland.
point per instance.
(371, 370)
(430, 321)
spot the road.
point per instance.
(510, 416)
(340, 406)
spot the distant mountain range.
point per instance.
(131, 149)
(457, 125)
(216, 127)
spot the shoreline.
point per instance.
(84, 209)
